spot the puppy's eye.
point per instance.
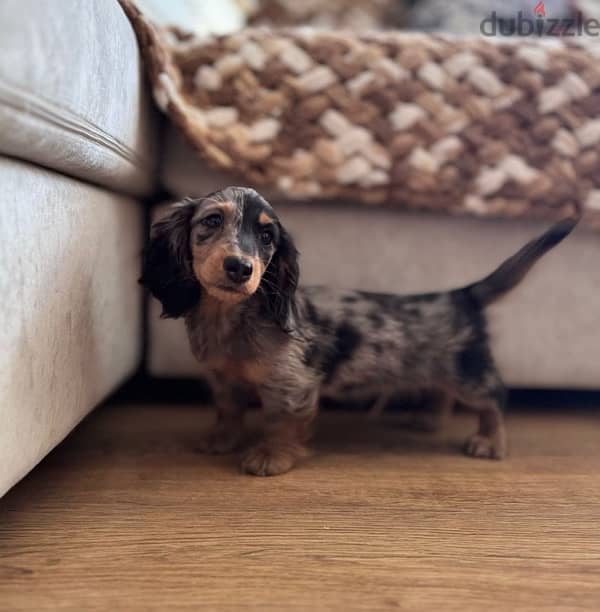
(213, 221)
(266, 236)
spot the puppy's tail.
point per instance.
(513, 270)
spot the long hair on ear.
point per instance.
(280, 282)
(167, 262)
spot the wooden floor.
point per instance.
(126, 516)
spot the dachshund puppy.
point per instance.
(226, 263)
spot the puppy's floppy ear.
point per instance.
(167, 263)
(280, 282)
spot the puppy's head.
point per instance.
(228, 245)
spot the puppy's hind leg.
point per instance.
(434, 415)
(378, 406)
(488, 400)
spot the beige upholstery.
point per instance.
(71, 94)
(70, 307)
(545, 333)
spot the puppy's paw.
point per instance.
(484, 447)
(220, 440)
(269, 459)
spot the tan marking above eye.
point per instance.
(228, 207)
(264, 219)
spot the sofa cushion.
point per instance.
(544, 333)
(72, 92)
(70, 307)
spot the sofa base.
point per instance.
(70, 307)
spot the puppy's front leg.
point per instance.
(288, 414)
(227, 432)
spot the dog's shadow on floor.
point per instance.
(341, 434)
(350, 429)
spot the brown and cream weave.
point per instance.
(425, 121)
(340, 14)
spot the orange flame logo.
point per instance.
(540, 10)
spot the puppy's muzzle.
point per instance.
(238, 269)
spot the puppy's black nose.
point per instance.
(238, 269)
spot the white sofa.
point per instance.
(77, 154)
